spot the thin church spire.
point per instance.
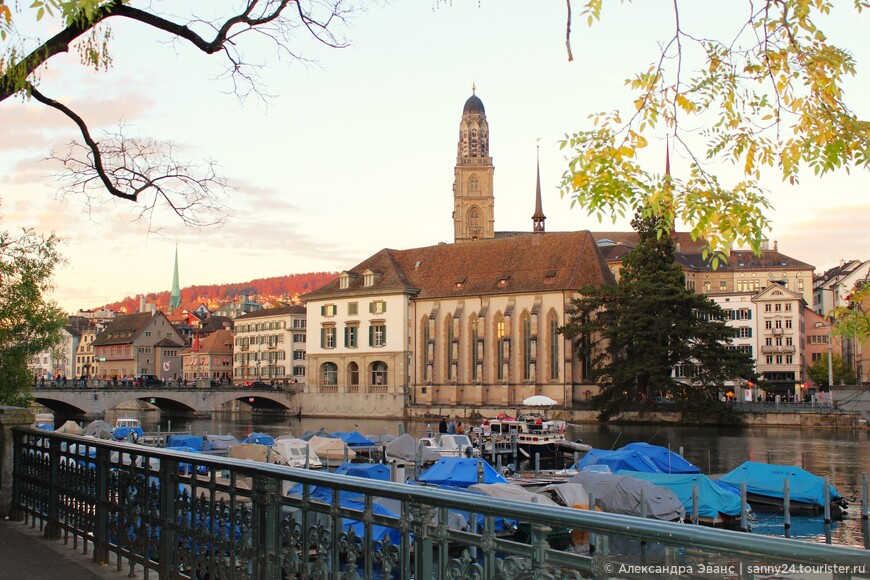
(538, 217)
(175, 297)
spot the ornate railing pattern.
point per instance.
(183, 515)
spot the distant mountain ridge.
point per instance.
(277, 289)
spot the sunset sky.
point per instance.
(354, 151)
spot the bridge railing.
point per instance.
(128, 384)
(185, 515)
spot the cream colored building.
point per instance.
(85, 353)
(270, 345)
(782, 339)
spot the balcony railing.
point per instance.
(784, 349)
(189, 515)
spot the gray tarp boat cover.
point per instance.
(620, 494)
(570, 494)
(512, 492)
(100, 429)
(221, 442)
(406, 447)
(70, 427)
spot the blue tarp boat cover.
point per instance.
(712, 499)
(259, 439)
(767, 479)
(353, 438)
(122, 433)
(368, 470)
(666, 460)
(620, 459)
(460, 472)
(192, 441)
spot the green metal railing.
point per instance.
(187, 515)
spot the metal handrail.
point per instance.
(188, 515)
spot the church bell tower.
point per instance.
(473, 200)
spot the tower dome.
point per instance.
(473, 105)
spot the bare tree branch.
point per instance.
(143, 170)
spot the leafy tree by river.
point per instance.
(29, 323)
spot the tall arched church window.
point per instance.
(553, 332)
(527, 347)
(476, 350)
(501, 346)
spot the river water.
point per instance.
(844, 455)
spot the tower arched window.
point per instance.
(353, 374)
(473, 184)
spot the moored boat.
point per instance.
(765, 486)
(531, 435)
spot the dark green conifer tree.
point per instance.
(635, 334)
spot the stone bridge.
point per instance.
(96, 398)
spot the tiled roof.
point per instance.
(690, 255)
(280, 311)
(842, 270)
(122, 329)
(684, 240)
(214, 322)
(218, 342)
(167, 342)
(548, 262)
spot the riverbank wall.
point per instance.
(827, 418)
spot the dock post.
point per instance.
(577, 458)
(695, 507)
(744, 525)
(768, 456)
(786, 508)
(514, 446)
(480, 471)
(591, 534)
(827, 499)
(643, 508)
(681, 451)
(865, 506)
(537, 463)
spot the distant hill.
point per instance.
(280, 288)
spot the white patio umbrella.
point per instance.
(538, 401)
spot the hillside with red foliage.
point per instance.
(280, 288)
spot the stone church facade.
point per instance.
(472, 324)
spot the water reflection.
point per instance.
(841, 454)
